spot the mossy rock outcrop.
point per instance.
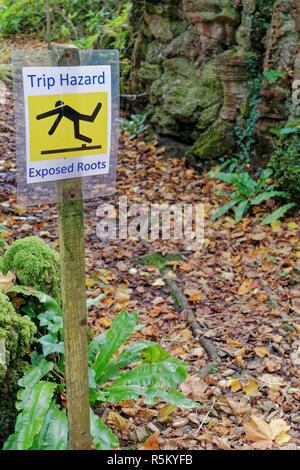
(35, 264)
(195, 65)
(16, 336)
(218, 140)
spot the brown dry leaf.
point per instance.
(264, 434)
(164, 414)
(272, 381)
(239, 356)
(245, 287)
(121, 266)
(155, 311)
(177, 351)
(150, 330)
(273, 394)
(118, 421)
(195, 297)
(198, 352)
(258, 236)
(186, 267)
(7, 281)
(296, 304)
(232, 406)
(222, 443)
(238, 407)
(236, 385)
(251, 388)
(272, 364)
(151, 443)
(126, 403)
(268, 266)
(297, 327)
(192, 292)
(158, 300)
(122, 295)
(105, 321)
(129, 411)
(107, 302)
(261, 351)
(195, 387)
(20, 210)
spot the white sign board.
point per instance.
(68, 121)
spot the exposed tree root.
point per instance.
(196, 328)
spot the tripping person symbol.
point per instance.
(66, 111)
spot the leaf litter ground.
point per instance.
(243, 286)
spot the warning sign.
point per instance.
(68, 121)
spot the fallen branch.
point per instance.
(196, 328)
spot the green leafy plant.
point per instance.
(273, 75)
(245, 129)
(76, 20)
(42, 422)
(135, 125)
(285, 160)
(249, 192)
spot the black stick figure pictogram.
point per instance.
(66, 111)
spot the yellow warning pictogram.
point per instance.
(68, 125)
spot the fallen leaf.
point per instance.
(122, 295)
(276, 224)
(272, 364)
(177, 351)
(272, 381)
(158, 283)
(261, 351)
(245, 287)
(20, 210)
(154, 312)
(258, 236)
(235, 344)
(105, 321)
(238, 407)
(251, 388)
(89, 282)
(118, 421)
(222, 443)
(297, 327)
(7, 281)
(165, 412)
(197, 352)
(265, 434)
(121, 266)
(292, 225)
(195, 387)
(151, 443)
(236, 385)
(195, 297)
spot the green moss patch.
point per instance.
(159, 261)
(16, 336)
(35, 264)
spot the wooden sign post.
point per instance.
(73, 288)
(67, 140)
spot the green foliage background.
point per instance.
(75, 20)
